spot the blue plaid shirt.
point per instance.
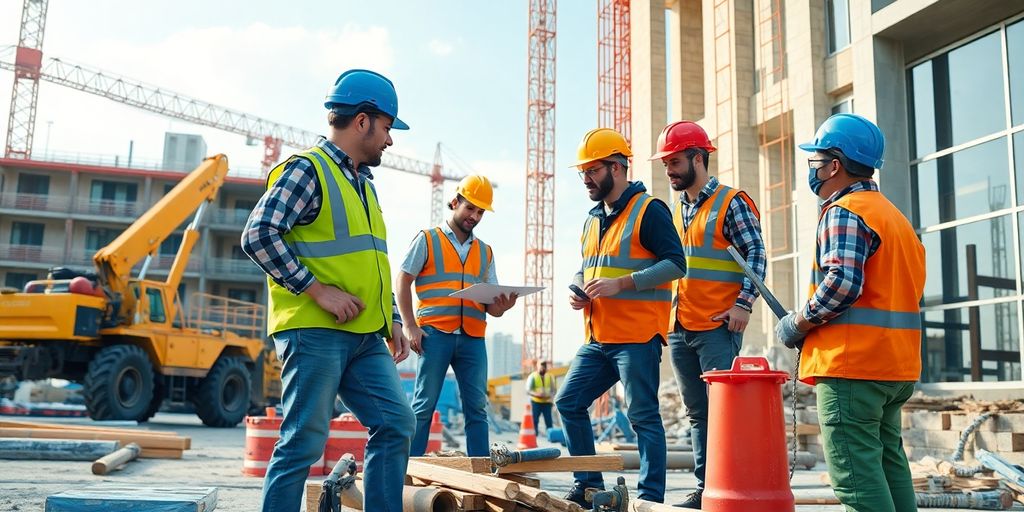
(294, 200)
(845, 243)
(741, 229)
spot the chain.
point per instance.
(792, 393)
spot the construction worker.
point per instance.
(540, 385)
(712, 302)
(447, 331)
(319, 235)
(860, 331)
(631, 256)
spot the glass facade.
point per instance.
(967, 170)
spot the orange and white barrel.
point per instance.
(347, 435)
(261, 433)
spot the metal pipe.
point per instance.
(414, 499)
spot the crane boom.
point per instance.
(115, 261)
(179, 106)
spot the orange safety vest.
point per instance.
(443, 273)
(879, 337)
(713, 279)
(631, 316)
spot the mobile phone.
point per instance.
(579, 292)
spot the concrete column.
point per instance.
(686, 42)
(649, 96)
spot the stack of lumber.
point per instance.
(154, 445)
(468, 484)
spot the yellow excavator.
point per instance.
(130, 341)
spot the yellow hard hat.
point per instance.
(599, 144)
(477, 190)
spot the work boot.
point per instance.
(578, 496)
(692, 500)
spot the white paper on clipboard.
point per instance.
(484, 293)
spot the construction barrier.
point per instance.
(527, 433)
(346, 435)
(261, 433)
(436, 434)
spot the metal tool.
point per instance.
(342, 477)
(502, 455)
(769, 297)
(615, 499)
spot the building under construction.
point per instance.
(943, 80)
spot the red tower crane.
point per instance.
(540, 181)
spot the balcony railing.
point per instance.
(106, 208)
(231, 217)
(34, 202)
(31, 253)
(122, 161)
(228, 266)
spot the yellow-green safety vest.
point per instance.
(346, 246)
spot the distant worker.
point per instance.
(714, 300)
(860, 331)
(631, 256)
(319, 235)
(447, 331)
(540, 385)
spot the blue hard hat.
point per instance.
(358, 86)
(857, 137)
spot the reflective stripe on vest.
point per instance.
(444, 273)
(345, 246)
(879, 336)
(713, 279)
(631, 316)
(544, 383)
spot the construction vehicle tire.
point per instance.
(119, 383)
(223, 395)
(156, 401)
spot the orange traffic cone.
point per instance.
(436, 434)
(527, 434)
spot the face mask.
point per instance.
(814, 181)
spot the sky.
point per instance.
(459, 68)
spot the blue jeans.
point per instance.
(693, 353)
(596, 368)
(467, 355)
(539, 410)
(322, 363)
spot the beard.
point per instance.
(686, 179)
(372, 151)
(601, 189)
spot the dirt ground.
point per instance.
(216, 460)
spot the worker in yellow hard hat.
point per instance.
(631, 256)
(447, 331)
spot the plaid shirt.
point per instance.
(293, 200)
(741, 229)
(845, 243)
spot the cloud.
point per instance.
(441, 48)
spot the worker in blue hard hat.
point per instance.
(860, 330)
(319, 235)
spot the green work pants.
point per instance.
(861, 430)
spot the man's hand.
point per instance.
(343, 305)
(736, 318)
(788, 333)
(576, 302)
(602, 287)
(398, 344)
(502, 303)
(414, 333)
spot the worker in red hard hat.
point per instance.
(318, 233)
(447, 331)
(712, 302)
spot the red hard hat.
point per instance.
(680, 136)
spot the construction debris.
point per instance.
(125, 498)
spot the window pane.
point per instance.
(976, 103)
(967, 183)
(947, 252)
(1015, 55)
(1018, 164)
(838, 24)
(923, 116)
(33, 184)
(948, 337)
(26, 233)
(842, 108)
(169, 246)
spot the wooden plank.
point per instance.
(160, 453)
(637, 505)
(55, 449)
(125, 498)
(521, 479)
(463, 481)
(115, 460)
(73, 426)
(147, 441)
(467, 501)
(482, 465)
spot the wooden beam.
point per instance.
(115, 460)
(463, 481)
(125, 437)
(480, 465)
(160, 453)
(528, 481)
